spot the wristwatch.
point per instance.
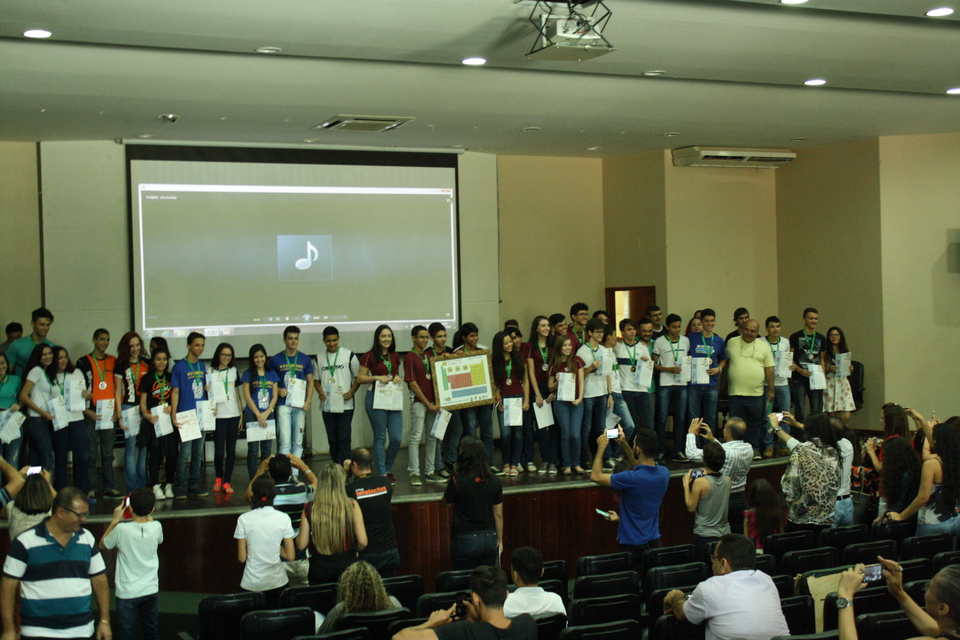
(843, 603)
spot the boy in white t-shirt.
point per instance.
(669, 352)
(335, 373)
(137, 580)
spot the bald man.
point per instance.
(750, 367)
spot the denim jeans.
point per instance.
(101, 445)
(781, 402)
(39, 434)
(479, 421)
(134, 461)
(339, 428)
(621, 410)
(11, 451)
(421, 422)
(702, 403)
(750, 410)
(469, 550)
(511, 437)
(188, 466)
(951, 526)
(225, 447)
(147, 607)
(290, 423)
(843, 513)
(532, 434)
(384, 422)
(72, 437)
(799, 391)
(594, 418)
(385, 562)
(257, 452)
(452, 438)
(569, 418)
(640, 405)
(675, 397)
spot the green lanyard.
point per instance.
(595, 352)
(425, 361)
(388, 363)
(543, 352)
(708, 349)
(774, 344)
(226, 383)
(633, 355)
(162, 381)
(509, 369)
(332, 367)
(263, 382)
(60, 384)
(676, 352)
(582, 336)
(192, 370)
(291, 369)
(811, 341)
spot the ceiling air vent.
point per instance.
(736, 158)
(369, 124)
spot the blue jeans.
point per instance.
(469, 550)
(101, 445)
(800, 390)
(621, 410)
(339, 428)
(290, 423)
(675, 397)
(452, 438)
(384, 422)
(843, 513)
(702, 403)
(750, 410)
(257, 452)
(511, 438)
(569, 419)
(188, 460)
(225, 447)
(781, 402)
(12, 451)
(531, 433)
(951, 526)
(640, 405)
(479, 421)
(147, 607)
(72, 437)
(39, 434)
(594, 418)
(134, 461)
(385, 562)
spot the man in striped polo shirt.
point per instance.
(737, 464)
(56, 565)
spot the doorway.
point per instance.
(629, 302)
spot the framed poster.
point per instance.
(463, 380)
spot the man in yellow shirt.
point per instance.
(750, 366)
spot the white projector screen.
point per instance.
(239, 243)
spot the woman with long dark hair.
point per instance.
(156, 391)
(35, 396)
(9, 389)
(893, 420)
(382, 364)
(229, 415)
(71, 437)
(900, 478)
(128, 371)
(568, 414)
(260, 383)
(510, 379)
(477, 498)
(936, 502)
(538, 362)
(837, 397)
(764, 514)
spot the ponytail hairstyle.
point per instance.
(264, 491)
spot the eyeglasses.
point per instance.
(82, 516)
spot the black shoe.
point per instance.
(112, 493)
(680, 457)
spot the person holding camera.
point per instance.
(738, 458)
(706, 492)
(478, 616)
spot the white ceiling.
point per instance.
(734, 73)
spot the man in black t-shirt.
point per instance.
(806, 345)
(740, 317)
(373, 493)
(484, 619)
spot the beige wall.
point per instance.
(828, 248)
(721, 245)
(551, 235)
(920, 225)
(20, 221)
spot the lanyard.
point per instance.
(595, 352)
(263, 382)
(424, 360)
(633, 354)
(61, 383)
(543, 352)
(509, 367)
(708, 349)
(135, 374)
(582, 336)
(332, 367)
(226, 383)
(811, 340)
(101, 372)
(192, 370)
(162, 381)
(774, 344)
(388, 363)
(676, 352)
(291, 369)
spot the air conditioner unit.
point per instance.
(729, 157)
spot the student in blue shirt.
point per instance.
(291, 363)
(260, 383)
(189, 380)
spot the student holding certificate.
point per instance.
(565, 376)
(597, 387)
(669, 352)
(295, 371)
(783, 364)
(9, 388)
(837, 397)
(98, 369)
(423, 407)
(538, 361)
(476, 421)
(188, 380)
(35, 396)
(510, 378)
(633, 356)
(155, 396)
(73, 436)
(382, 364)
(260, 386)
(223, 389)
(336, 383)
(130, 368)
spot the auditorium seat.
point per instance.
(559, 587)
(925, 546)
(397, 625)
(555, 570)
(347, 634)
(654, 603)
(766, 563)
(840, 537)
(430, 602)
(278, 624)
(801, 561)
(454, 580)
(891, 530)
(891, 625)
(618, 630)
(778, 544)
(676, 575)
(606, 563)
(826, 635)
(867, 552)
(917, 590)
(406, 589)
(667, 627)
(917, 569)
(625, 606)
(319, 597)
(868, 600)
(665, 556)
(549, 627)
(784, 584)
(220, 616)
(609, 584)
(378, 622)
(798, 612)
(945, 558)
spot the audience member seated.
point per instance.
(479, 618)
(526, 567)
(764, 515)
(737, 602)
(359, 590)
(936, 503)
(900, 478)
(32, 504)
(708, 496)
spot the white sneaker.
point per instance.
(168, 491)
(531, 468)
(158, 492)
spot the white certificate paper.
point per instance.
(440, 424)
(843, 361)
(606, 366)
(686, 368)
(206, 416)
(388, 396)
(217, 391)
(296, 392)
(105, 411)
(782, 362)
(543, 414)
(566, 387)
(334, 401)
(164, 426)
(11, 422)
(58, 407)
(131, 418)
(817, 380)
(699, 374)
(73, 395)
(613, 421)
(256, 433)
(645, 374)
(189, 425)
(513, 412)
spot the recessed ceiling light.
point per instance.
(310, 140)
(815, 82)
(939, 13)
(792, 1)
(268, 50)
(144, 136)
(954, 92)
(594, 148)
(798, 139)
(671, 134)
(654, 72)
(530, 129)
(37, 33)
(474, 62)
(457, 146)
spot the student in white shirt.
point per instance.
(264, 535)
(71, 437)
(597, 389)
(223, 376)
(669, 352)
(780, 347)
(526, 567)
(34, 395)
(336, 372)
(616, 380)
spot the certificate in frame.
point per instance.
(463, 380)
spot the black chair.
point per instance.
(803, 585)
(897, 531)
(916, 569)
(869, 600)
(608, 584)
(917, 590)
(599, 565)
(675, 576)
(840, 537)
(406, 589)
(945, 558)
(278, 624)
(347, 634)
(826, 635)
(655, 603)
(766, 563)
(784, 584)
(454, 580)
(867, 552)
(798, 612)
(430, 602)
(549, 627)
(669, 628)
(559, 587)
(220, 616)
(378, 622)
(891, 625)
(708, 549)
(619, 630)
(665, 556)
(396, 626)
(555, 570)
(778, 544)
(794, 562)
(925, 546)
(319, 597)
(598, 610)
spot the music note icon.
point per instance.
(304, 263)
